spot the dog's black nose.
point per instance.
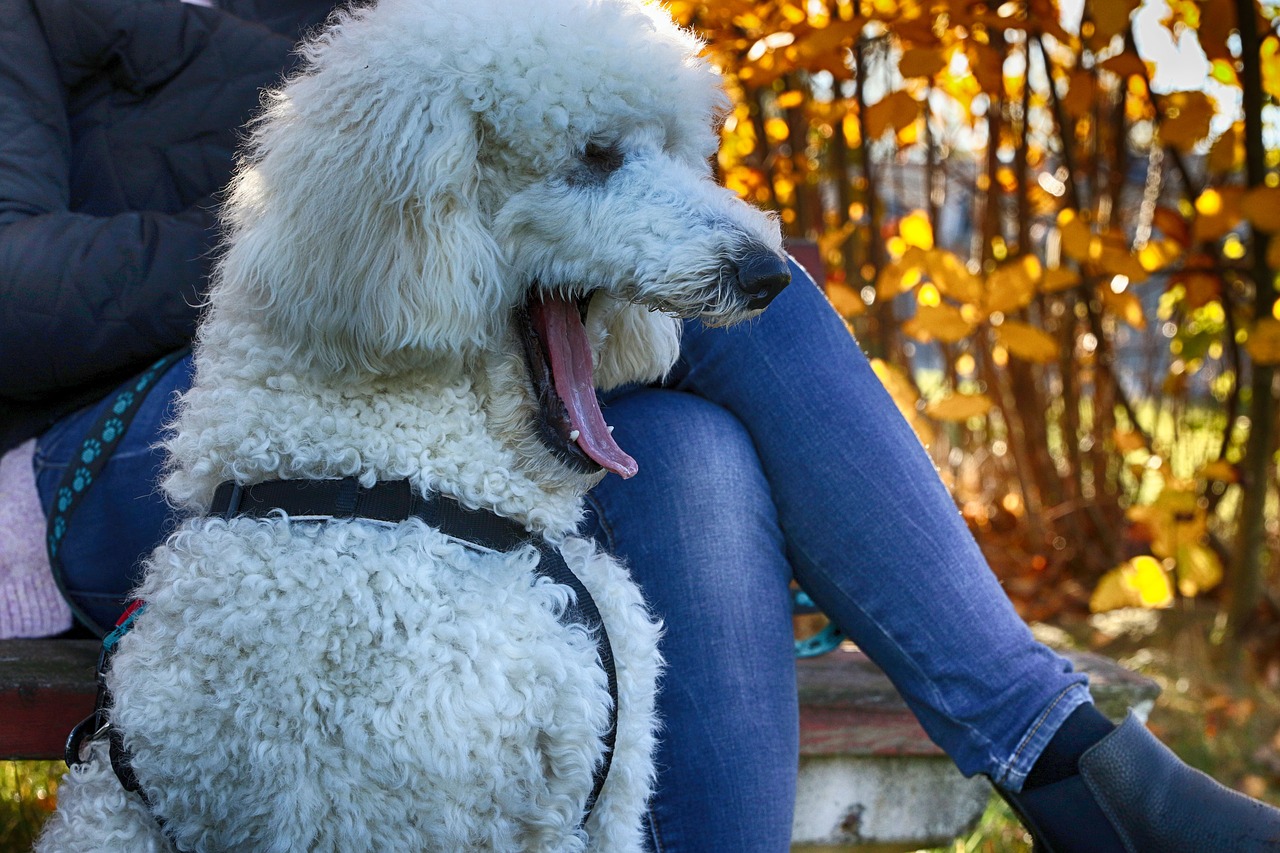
(761, 276)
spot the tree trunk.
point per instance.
(1251, 553)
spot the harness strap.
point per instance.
(84, 469)
(395, 501)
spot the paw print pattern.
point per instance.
(82, 479)
(59, 530)
(95, 447)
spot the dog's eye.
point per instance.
(602, 160)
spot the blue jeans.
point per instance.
(772, 451)
(776, 451)
(123, 516)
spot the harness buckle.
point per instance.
(89, 729)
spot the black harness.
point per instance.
(389, 501)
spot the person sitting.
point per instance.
(120, 123)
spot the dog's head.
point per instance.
(443, 179)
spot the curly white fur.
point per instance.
(358, 686)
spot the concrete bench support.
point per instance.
(871, 781)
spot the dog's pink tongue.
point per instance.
(563, 335)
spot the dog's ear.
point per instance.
(635, 344)
(354, 225)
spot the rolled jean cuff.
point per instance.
(1013, 772)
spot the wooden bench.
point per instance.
(870, 780)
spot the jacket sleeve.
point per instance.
(86, 296)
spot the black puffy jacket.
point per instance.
(118, 124)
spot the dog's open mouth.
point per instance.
(560, 368)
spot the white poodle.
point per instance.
(457, 221)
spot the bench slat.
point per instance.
(46, 687)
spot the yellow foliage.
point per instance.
(1027, 342)
(1012, 285)
(1115, 258)
(942, 322)
(845, 300)
(1271, 66)
(1185, 118)
(852, 130)
(1140, 582)
(1217, 212)
(962, 87)
(897, 277)
(1158, 254)
(1125, 64)
(1201, 283)
(1081, 92)
(1078, 240)
(1110, 17)
(1224, 72)
(790, 98)
(896, 110)
(916, 230)
(1215, 29)
(1219, 470)
(1124, 305)
(826, 49)
(1263, 344)
(959, 407)
(1175, 519)
(776, 130)
(1128, 440)
(952, 277)
(987, 66)
(922, 61)
(1057, 279)
(1198, 569)
(1261, 206)
(1173, 225)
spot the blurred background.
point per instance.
(1050, 223)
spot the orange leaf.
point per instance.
(1172, 224)
(1185, 118)
(1264, 341)
(922, 61)
(1124, 305)
(845, 299)
(959, 407)
(897, 277)
(1078, 240)
(1058, 279)
(1125, 65)
(952, 277)
(1217, 212)
(1013, 285)
(895, 111)
(1027, 342)
(938, 322)
(1081, 91)
(1110, 17)
(1261, 206)
(1226, 151)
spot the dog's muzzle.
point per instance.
(760, 276)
